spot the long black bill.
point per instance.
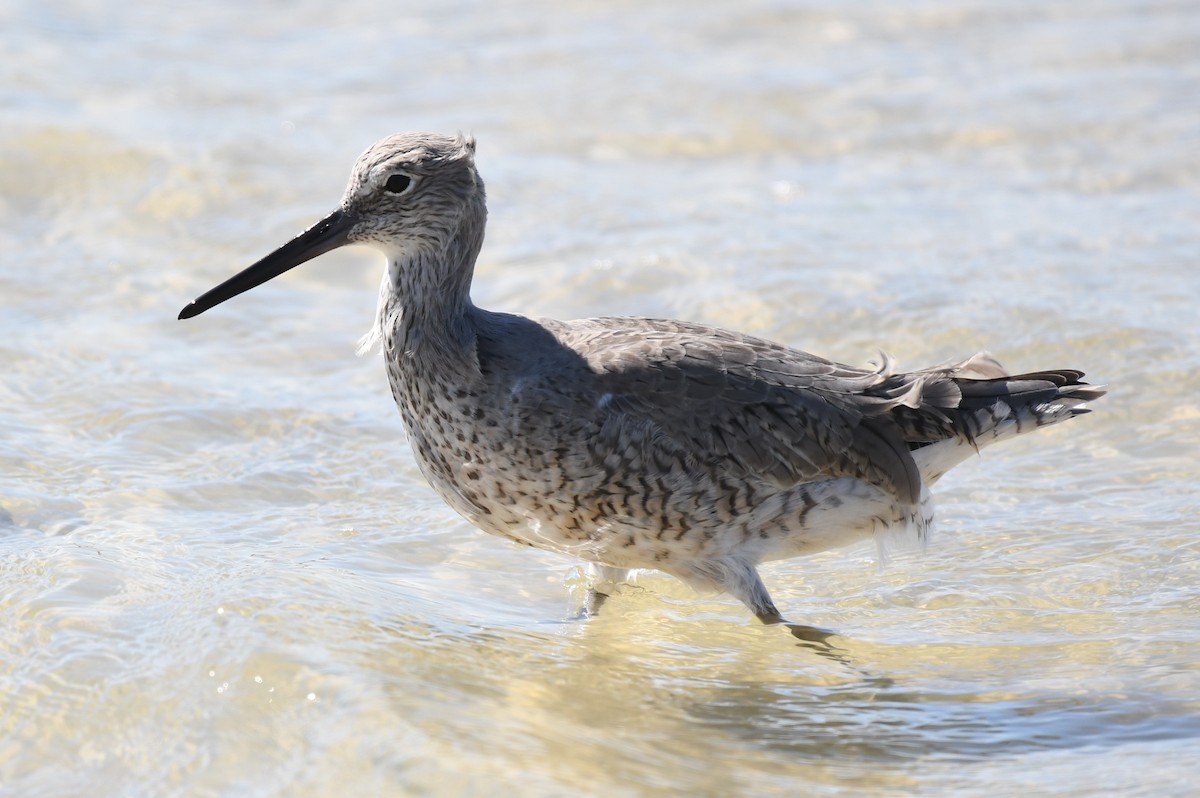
(327, 234)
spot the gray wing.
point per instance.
(753, 407)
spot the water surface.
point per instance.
(221, 573)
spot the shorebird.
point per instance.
(636, 443)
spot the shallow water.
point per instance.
(221, 574)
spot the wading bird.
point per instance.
(642, 443)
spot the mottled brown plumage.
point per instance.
(643, 443)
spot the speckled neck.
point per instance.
(426, 314)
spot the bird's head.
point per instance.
(414, 196)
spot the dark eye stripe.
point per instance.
(398, 184)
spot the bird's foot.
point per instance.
(809, 634)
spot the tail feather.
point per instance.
(991, 410)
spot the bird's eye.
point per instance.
(398, 184)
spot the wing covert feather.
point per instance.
(752, 406)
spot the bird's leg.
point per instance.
(742, 580)
(748, 586)
(602, 581)
(594, 601)
(753, 593)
